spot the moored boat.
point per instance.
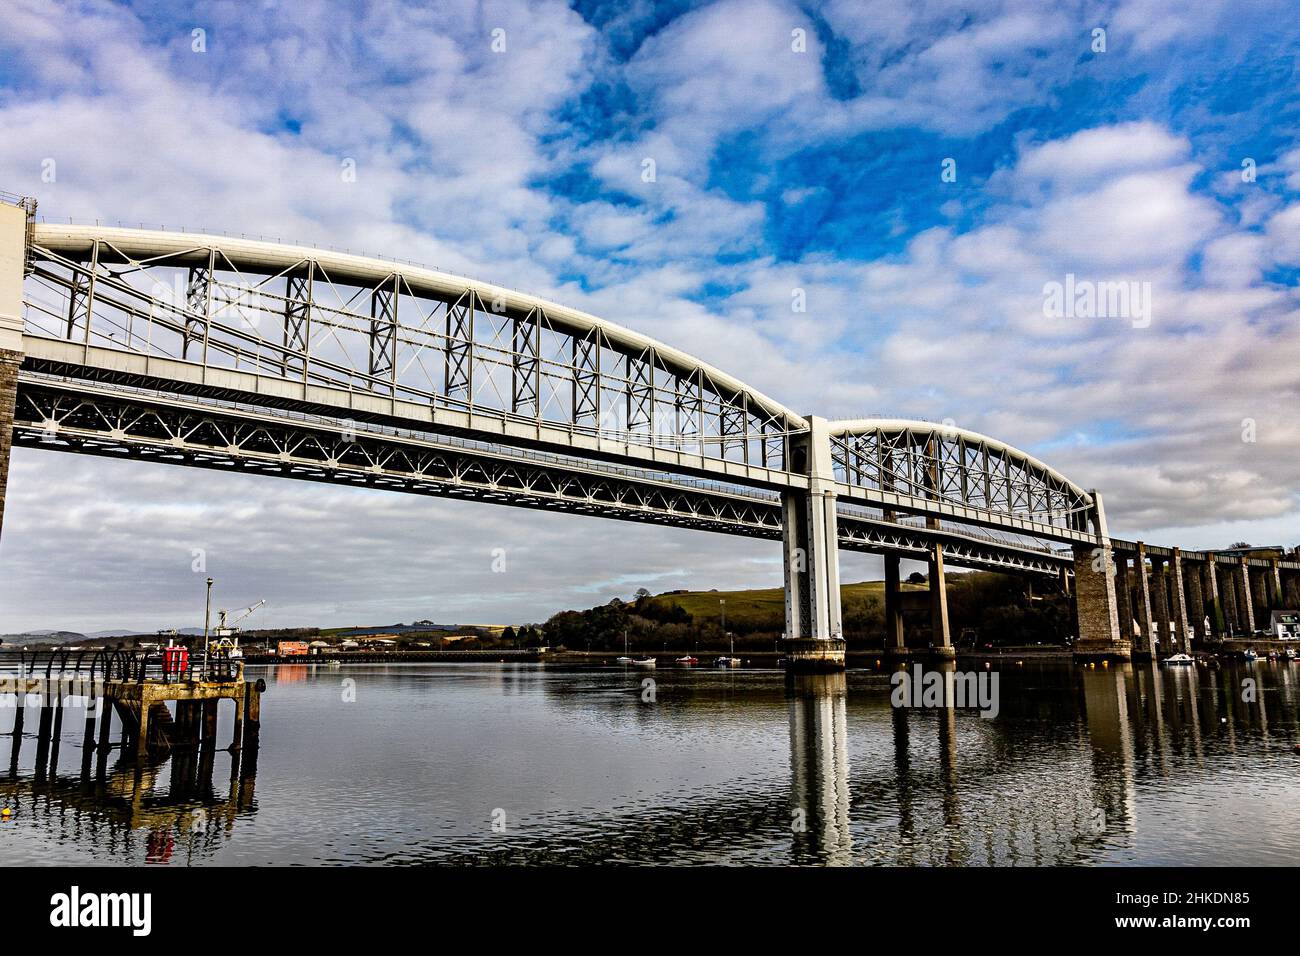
(1180, 659)
(727, 662)
(645, 662)
(687, 660)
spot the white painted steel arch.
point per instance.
(146, 245)
(860, 426)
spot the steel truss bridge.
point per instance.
(244, 355)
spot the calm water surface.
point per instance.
(1126, 765)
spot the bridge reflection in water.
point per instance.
(965, 791)
(819, 767)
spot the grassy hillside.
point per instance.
(756, 609)
(993, 605)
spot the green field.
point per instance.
(761, 606)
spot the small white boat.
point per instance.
(622, 660)
(1250, 654)
(727, 662)
(1180, 659)
(645, 662)
(1289, 653)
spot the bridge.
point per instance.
(241, 354)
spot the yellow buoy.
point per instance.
(6, 812)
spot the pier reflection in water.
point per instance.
(152, 808)
(158, 812)
(819, 767)
(1128, 764)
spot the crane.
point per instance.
(226, 626)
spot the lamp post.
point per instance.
(207, 617)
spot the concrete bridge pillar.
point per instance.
(1123, 598)
(1196, 600)
(814, 632)
(1097, 620)
(940, 639)
(1275, 601)
(13, 263)
(1228, 594)
(1160, 603)
(1245, 604)
(1259, 593)
(1178, 601)
(1145, 617)
(1218, 617)
(895, 642)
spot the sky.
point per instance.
(926, 172)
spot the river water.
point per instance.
(541, 764)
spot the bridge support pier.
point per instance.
(940, 639)
(1178, 600)
(1096, 609)
(1123, 598)
(895, 641)
(1196, 609)
(1259, 596)
(814, 632)
(13, 263)
(1148, 648)
(1217, 615)
(1245, 605)
(1160, 604)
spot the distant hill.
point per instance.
(759, 608)
(46, 636)
(41, 637)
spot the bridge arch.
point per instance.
(379, 337)
(917, 463)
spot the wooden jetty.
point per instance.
(137, 686)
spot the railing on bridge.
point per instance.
(168, 665)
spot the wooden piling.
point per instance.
(43, 727)
(253, 712)
(59, 699)
(19, 711)
(237, 738)
(105, 720)
(88, 736)
(142, 732)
